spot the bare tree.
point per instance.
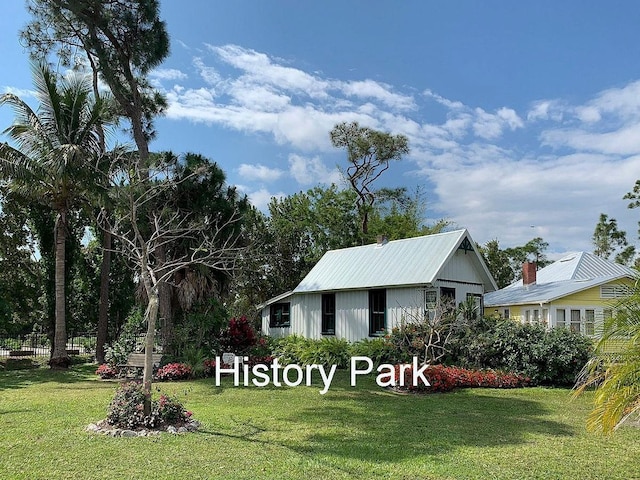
(427, 331)
(144, 225)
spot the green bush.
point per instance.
(303, 351)
(550, 357)
(129, 340)
(195, 357)
(379, 350)
(199, 328)
(326, 351)
(290, 349)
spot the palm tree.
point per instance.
(51, 162)
(614, 369)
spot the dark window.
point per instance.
(329, 314)
(448, 294)
(377, 312)
(447, 299)
(279, 315)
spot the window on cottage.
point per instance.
(430, 304)
(377, 312)
(506, 313)
(575, 320)
(560, 319)
(447, 298)
(329, 314)
(279, 315)
(589, 322)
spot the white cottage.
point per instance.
(360, 292)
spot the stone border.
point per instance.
(103, 428)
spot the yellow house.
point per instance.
(575, 292)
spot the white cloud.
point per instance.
(260, 67)
(450, 104)
(262, 197)
(377, 91)
(575, 161)
(491, 125)
(310, 171)
(259, 172)
(546, 110)
(168, 74)
(19, 92)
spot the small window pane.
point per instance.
(575, 320)
(329, 314)
(589, 322)
(279, 315)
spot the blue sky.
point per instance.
(523, 117)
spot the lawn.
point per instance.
(281, 433)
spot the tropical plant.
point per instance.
(614, 368)
(51, 162)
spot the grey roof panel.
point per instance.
(573, 273)
(410, 261)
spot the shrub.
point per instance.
(445, 379)
(199, 328)
(128, 341)
(326, 351)
(551, 357)
(379, 350)
(126, 410)
(290, 349)
(194, 358)
(173, 371)
(304, 351)
(263, 348)
(239, 336)
(106, 371)
(209, 367)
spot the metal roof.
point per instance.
(410, 261)
(571, 274)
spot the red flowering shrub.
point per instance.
(173, 371)
(239, 336)
(105, 371)
(445, 379)
(209, 367)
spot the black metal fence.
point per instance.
(39, 344)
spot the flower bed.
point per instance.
(445, 379)
(173, 371)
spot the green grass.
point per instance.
(281, 433)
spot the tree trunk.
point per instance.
(60, 358)
(165, 307)
(152, 315)
(103, 312)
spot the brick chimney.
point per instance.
(529, 273)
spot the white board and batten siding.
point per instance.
(352, 313)
(403, 268)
